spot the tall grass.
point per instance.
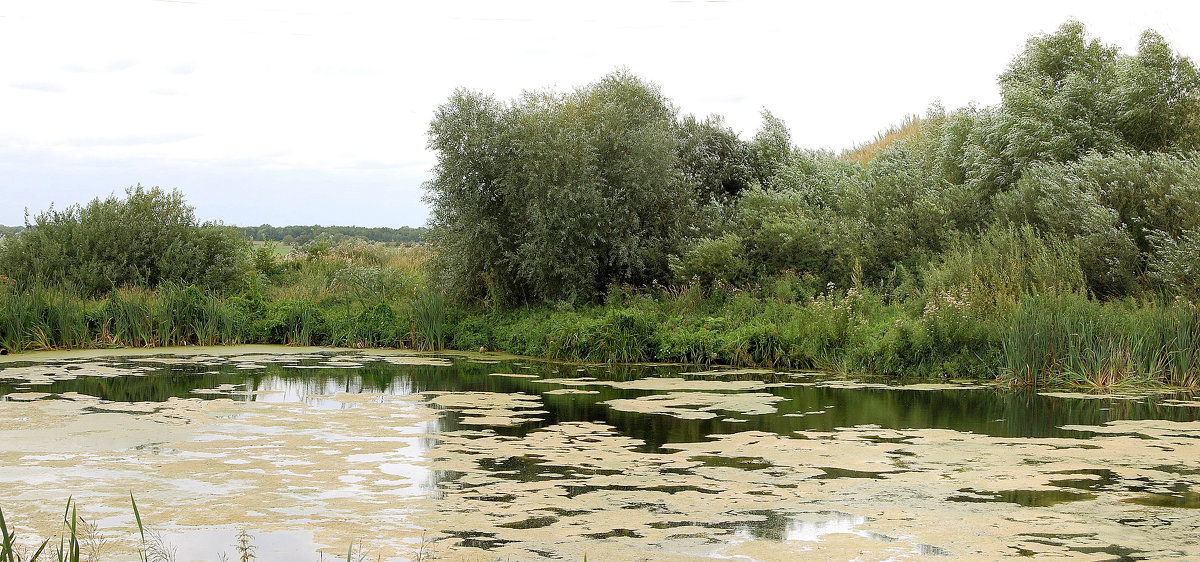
(1180, 341)
(297, 323)
(429, 321)
(129, 318)
(40, 317)
(1068, 339)
(9, 546)
(81, 540)
(70, 544)
(16, 320)
(910, 126)
(1005, 265)
(1011, 306)
(59, 320)
(43, 318)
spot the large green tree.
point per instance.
(1068, 94)
(554, 197)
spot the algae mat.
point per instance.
(438, 458)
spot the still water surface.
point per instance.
(481, 457)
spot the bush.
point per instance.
(297, 323)
(713, 261)
(473, 332)
(1059, 201)
(1068, 95)
(782, 231)
(148, 238)
(1175, 263)
(1006, 264)
(690, 343)
(378, 326)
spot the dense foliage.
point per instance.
(146, 238)
(1053, 236)
(349, 294)
(553, 197)
(1092, 149)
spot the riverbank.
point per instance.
(1040, 340)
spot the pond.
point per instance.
(478, 457)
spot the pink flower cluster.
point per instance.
(945, 300)
(831, 301)
(1180, 304)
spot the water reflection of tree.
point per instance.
(997, 412)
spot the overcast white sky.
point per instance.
(302, 112)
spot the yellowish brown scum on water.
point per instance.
(381, 468)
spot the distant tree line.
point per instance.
(299, 235)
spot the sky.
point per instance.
(316, 112)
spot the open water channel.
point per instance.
(482, 457)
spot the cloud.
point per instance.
(131, 140)
(235, 193)
(185, 68)
(49, 87)
(729, 99)
(110, 67)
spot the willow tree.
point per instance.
(554, 197)
(1068, 94)
(713, 159)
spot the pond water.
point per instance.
(406, 456)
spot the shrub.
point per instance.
(626, 335)
(782, 231)
(1005, 264)
(1068, 95)
(1059, 201)
(378, 326)
(1175, 263)
(690, 343)
(711, 261)
(474, 332)
(297, 323)
(713, 159)
(149, 237)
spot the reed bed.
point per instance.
(1026, 326)
(1072, 340)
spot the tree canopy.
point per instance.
(552, 197)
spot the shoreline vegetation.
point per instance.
(1049, 240)
(791, 323)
